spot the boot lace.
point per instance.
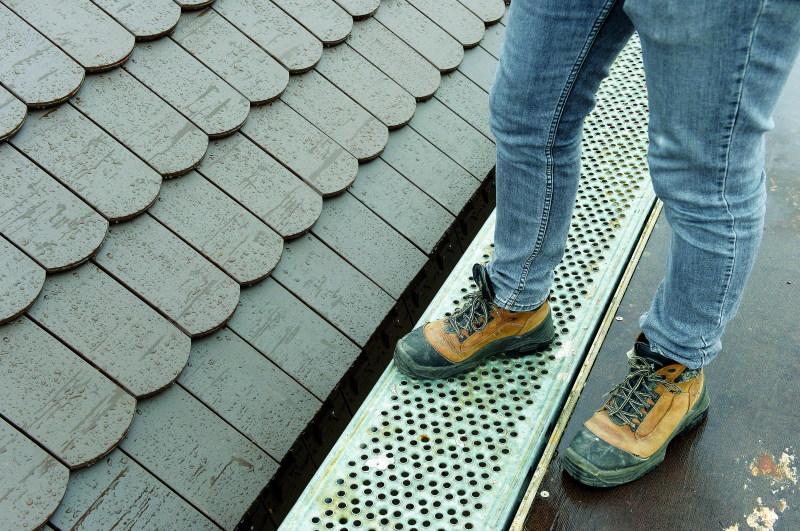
(630, 400)
(472, 317)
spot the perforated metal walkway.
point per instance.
(457, 454)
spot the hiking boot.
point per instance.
(476, 331)
(628, 436)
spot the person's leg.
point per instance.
(554, 55)
(714, 73)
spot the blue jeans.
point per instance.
(714, 73)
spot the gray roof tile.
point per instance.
(479, 66)
(335, 114)
(174, 278)
(359, 9)
(311, 154)
(364, 240)
(335, 289)
(467, 100)
(432, 171)
(80, 28)
(28, 58)
(371, 88)
(459, 140)
(401, 204)
(395, 58)
(262, 185)
(89, 162)
(218, 227)
(59, 400)
(21, 280)
(113, 329)
(44, 219)
(231, 55)
(454, 18)
(189, 86)
(279, 34)
(120, 494)
(12, 114)
(215, 468)
(293, 337)
(325, 19)
(145, 19)
(493, 39)
(142, 122)
(489, 11)
(421, 33)
(249, 391)
(33, 482)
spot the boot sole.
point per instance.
(585, 472)
(534, 341)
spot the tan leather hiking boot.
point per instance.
(474, 332)
(628, 436)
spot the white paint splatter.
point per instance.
(381, 463)
(762, 519)
(788, 471)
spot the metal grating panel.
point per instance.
(457, 453)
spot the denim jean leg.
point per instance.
(554, 55)
(714, 73)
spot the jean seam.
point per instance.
(592, 35)
(732, 261)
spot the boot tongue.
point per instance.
(656, 360)
(481, 277)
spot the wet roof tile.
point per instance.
(12, 114)
(142, 122)
(359, 9)
(466, 99)
(454, 18)
(42, 379)
(459, 140)
(479, 66)
(231, 55)
(80, 28)
(336, 115)
(145, 19)
(430, 169)
(395, 58)
(401, 204)
(421, 33)
(364, 240)
(262, 185)
(368, 86)
(33, 482)
(249, 391)
(217, 470)
(279, 34)
(324, 18)
(120, 494)
(44, 219)
(21, 280)
(28, 58)
(218, 227)
(334, 288)
(311, 154)
(113, 329)
(162, 269)
(89, 162)
(189, 86)
(293, 336)
(489, 11)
